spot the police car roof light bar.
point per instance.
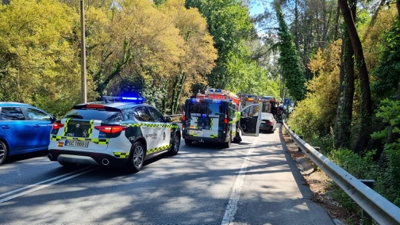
(133, 99)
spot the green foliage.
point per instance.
(387, 180)
(289, 60)
(386, 74)
(314, 116)
(389, 183)
(359, 167)
(230, 25)
(39, 61)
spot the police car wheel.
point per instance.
(3, 152)
(136, 159)
(175, 146)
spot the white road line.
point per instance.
(34, 187)
(235, 195)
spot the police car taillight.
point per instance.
(110, 129)
(57, 125)
(94, 106)
(226, 119)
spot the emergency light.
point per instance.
(133, 99)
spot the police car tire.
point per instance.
(137, 153)
(3, 152)
(175, 145)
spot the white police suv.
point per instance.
(121, 132)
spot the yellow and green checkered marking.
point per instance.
(121, 155)
(214, 136)
(158, 149)
(150, 125)
(100, 141)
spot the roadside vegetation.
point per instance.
(351, 108)
(343, 76)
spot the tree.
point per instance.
(200, 54)
(342, 128)
(230, 25)
(39, 63)
(366, 101)
(289, 60)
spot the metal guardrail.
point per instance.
(379, 208)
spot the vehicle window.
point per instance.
(158, 117)
(128, 114)
(111, 116)
(266, 116)
(206, 108)
(142, 114)
(12, 113)
(34, 114)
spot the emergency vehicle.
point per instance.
(217, 116)
(118, 131)
(267, 102)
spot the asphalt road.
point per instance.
(253, 182)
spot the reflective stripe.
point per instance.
(197, 123)
(102, 141)
(66, 127)
(158, 149)
(211, 123)
(90, 129)
(150, 125)
(121, 155)
(214, 136)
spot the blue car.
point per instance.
(23, 129)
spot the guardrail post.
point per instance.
(366, 217)
(315, 165)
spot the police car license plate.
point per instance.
(75, 143)
(196, 132)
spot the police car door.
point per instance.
(149, 131)
(250, 120)
(163, 128)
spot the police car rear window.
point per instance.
(206, 108)
(110, 116)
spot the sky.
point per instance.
(256, 8)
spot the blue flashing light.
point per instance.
(218, 90)
(137, 100)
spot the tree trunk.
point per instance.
(335, 36)
(342, 132)
(366, 101)
(173, 98)
(179, 93)
(398, 8)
